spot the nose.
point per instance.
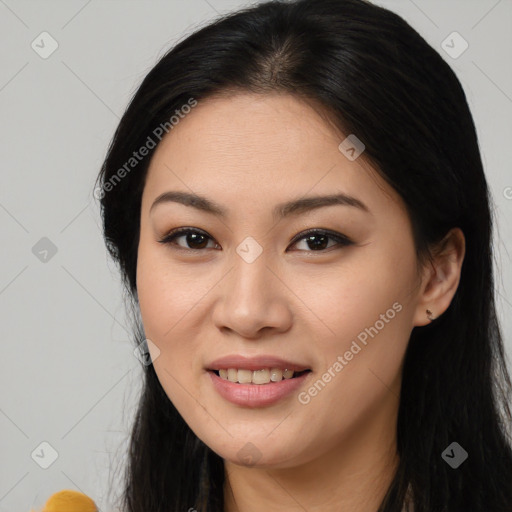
(252, 299)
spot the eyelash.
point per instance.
(342, 240)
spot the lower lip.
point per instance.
(256, 395)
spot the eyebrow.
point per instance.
(282, 210)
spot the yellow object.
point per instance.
(69, 501)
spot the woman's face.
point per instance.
(251, 283)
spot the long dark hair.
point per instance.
(379, 79)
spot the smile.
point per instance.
(252, 395)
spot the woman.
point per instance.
(297, 203)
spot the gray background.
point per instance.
(69, 376)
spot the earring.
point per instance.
(429, 315)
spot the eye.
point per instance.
(194, 237)
(314, 238)
(317, 238)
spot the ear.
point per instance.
(441, 277)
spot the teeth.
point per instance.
(260, 376)
(276, 374)
(263, 376)
(244, 376)
(288, 374)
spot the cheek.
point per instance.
(172, 305)
(164, 307)
(165, 293)
(366, 302)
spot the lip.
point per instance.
(256, 395)
(254, 363)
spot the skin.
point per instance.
(249, 152)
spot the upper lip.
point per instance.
(254, 363)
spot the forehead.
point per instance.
(243, 127)
(250, 147)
